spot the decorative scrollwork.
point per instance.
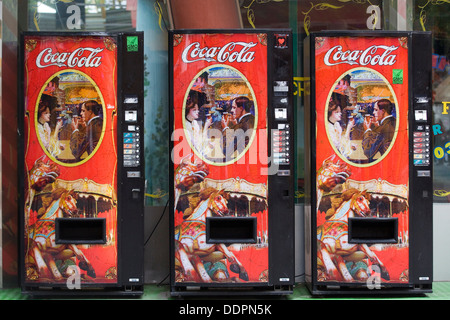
(319, 7)
(299, 194)
(423, 14)
(441, 193)
(251, 14)
(158, 195)
(325, 6)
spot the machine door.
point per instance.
(69, 216)
(361, 102)
(220, 158)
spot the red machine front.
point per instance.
(70, 155)
(365, 142)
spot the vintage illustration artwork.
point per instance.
(362, 146)
(70, 120)
(70, 157)
(362, 117)
(220, 101)
(220, 115)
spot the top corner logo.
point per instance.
(373, 55)
(132, 43)
(281, 41)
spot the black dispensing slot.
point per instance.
(231, 230)
(372, 230)
(80, 230)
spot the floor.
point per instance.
(441, 291)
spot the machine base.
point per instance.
(125, 291)
(234, 291)
(339, 290)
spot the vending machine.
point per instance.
(368, 204)
(81, 164)
(231, 200)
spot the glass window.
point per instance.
(434, 16)
(86, 15)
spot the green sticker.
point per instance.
(397, 76)
(132, 43)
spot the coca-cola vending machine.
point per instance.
(231, 202)
(369, 202)
(81, 165)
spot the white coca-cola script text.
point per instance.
(81, 57)
(231, 52)
(373, 55)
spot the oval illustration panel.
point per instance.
(69, 118)
(362, 117)
(219, 115)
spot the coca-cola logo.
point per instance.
(231, 52)
(81, 57)
(373, 55)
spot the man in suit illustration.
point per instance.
(238, 130)
(379, 132)
(87, 132)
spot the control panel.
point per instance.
(281, 180)
(422, 145)
(131, 163)
(421, 190)
(282, 106)
(281, 144)
(421, 133)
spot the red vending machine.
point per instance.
(82, 170)
(232, 210)
(369, 203)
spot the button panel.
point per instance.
(422, 145)
(281, 144)
(131, 135)
(131, 149)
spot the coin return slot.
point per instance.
(231, 230)
(372, 230)
(80, 230)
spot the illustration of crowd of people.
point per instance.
(69, 133)
(361, 132)
(218, 129)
